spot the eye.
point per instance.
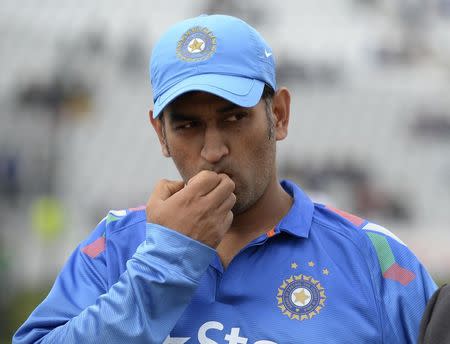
(185, 125)
(236, 117)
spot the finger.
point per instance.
(225, 188)
(166, 188)
(228, 204)
(203, 182)
(228, 220)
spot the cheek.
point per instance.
(258, 158)
(184, 160)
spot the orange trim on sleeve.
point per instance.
(356, 220)
(95, 248)
(141, 207)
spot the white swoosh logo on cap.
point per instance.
(267, 53)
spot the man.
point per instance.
(228, 254)
(434, 327)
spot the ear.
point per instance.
(158, 125)
(281, 108)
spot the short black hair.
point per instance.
(268, 92)
(267, 96)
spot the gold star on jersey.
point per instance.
(301, 297)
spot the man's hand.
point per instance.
(200, 210)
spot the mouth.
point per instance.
(222, 171)
(230, 175)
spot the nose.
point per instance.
(214, 147)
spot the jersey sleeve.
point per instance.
(402, 285)
(142, 307)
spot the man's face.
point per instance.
(201, 131)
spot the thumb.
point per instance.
(166, 188)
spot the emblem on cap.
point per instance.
(301, 297)
(196, 44)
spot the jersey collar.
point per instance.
(297, 221)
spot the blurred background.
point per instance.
(369, 133)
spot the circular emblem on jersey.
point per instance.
(196, 44)
(301, 297)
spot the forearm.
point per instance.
(150, 296)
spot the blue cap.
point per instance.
(218, 54)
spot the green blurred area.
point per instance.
(47, 217)
(17, 309)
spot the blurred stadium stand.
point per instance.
(370, 123)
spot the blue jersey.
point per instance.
(320, 276)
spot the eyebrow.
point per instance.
(180, 117)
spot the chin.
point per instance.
(241, 206)
(237, 210)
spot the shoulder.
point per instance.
(118, 220)
(340, 226)
(383, 251)
(351, 226)
(118, 225)
(113, 242)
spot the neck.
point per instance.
(262, 216)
